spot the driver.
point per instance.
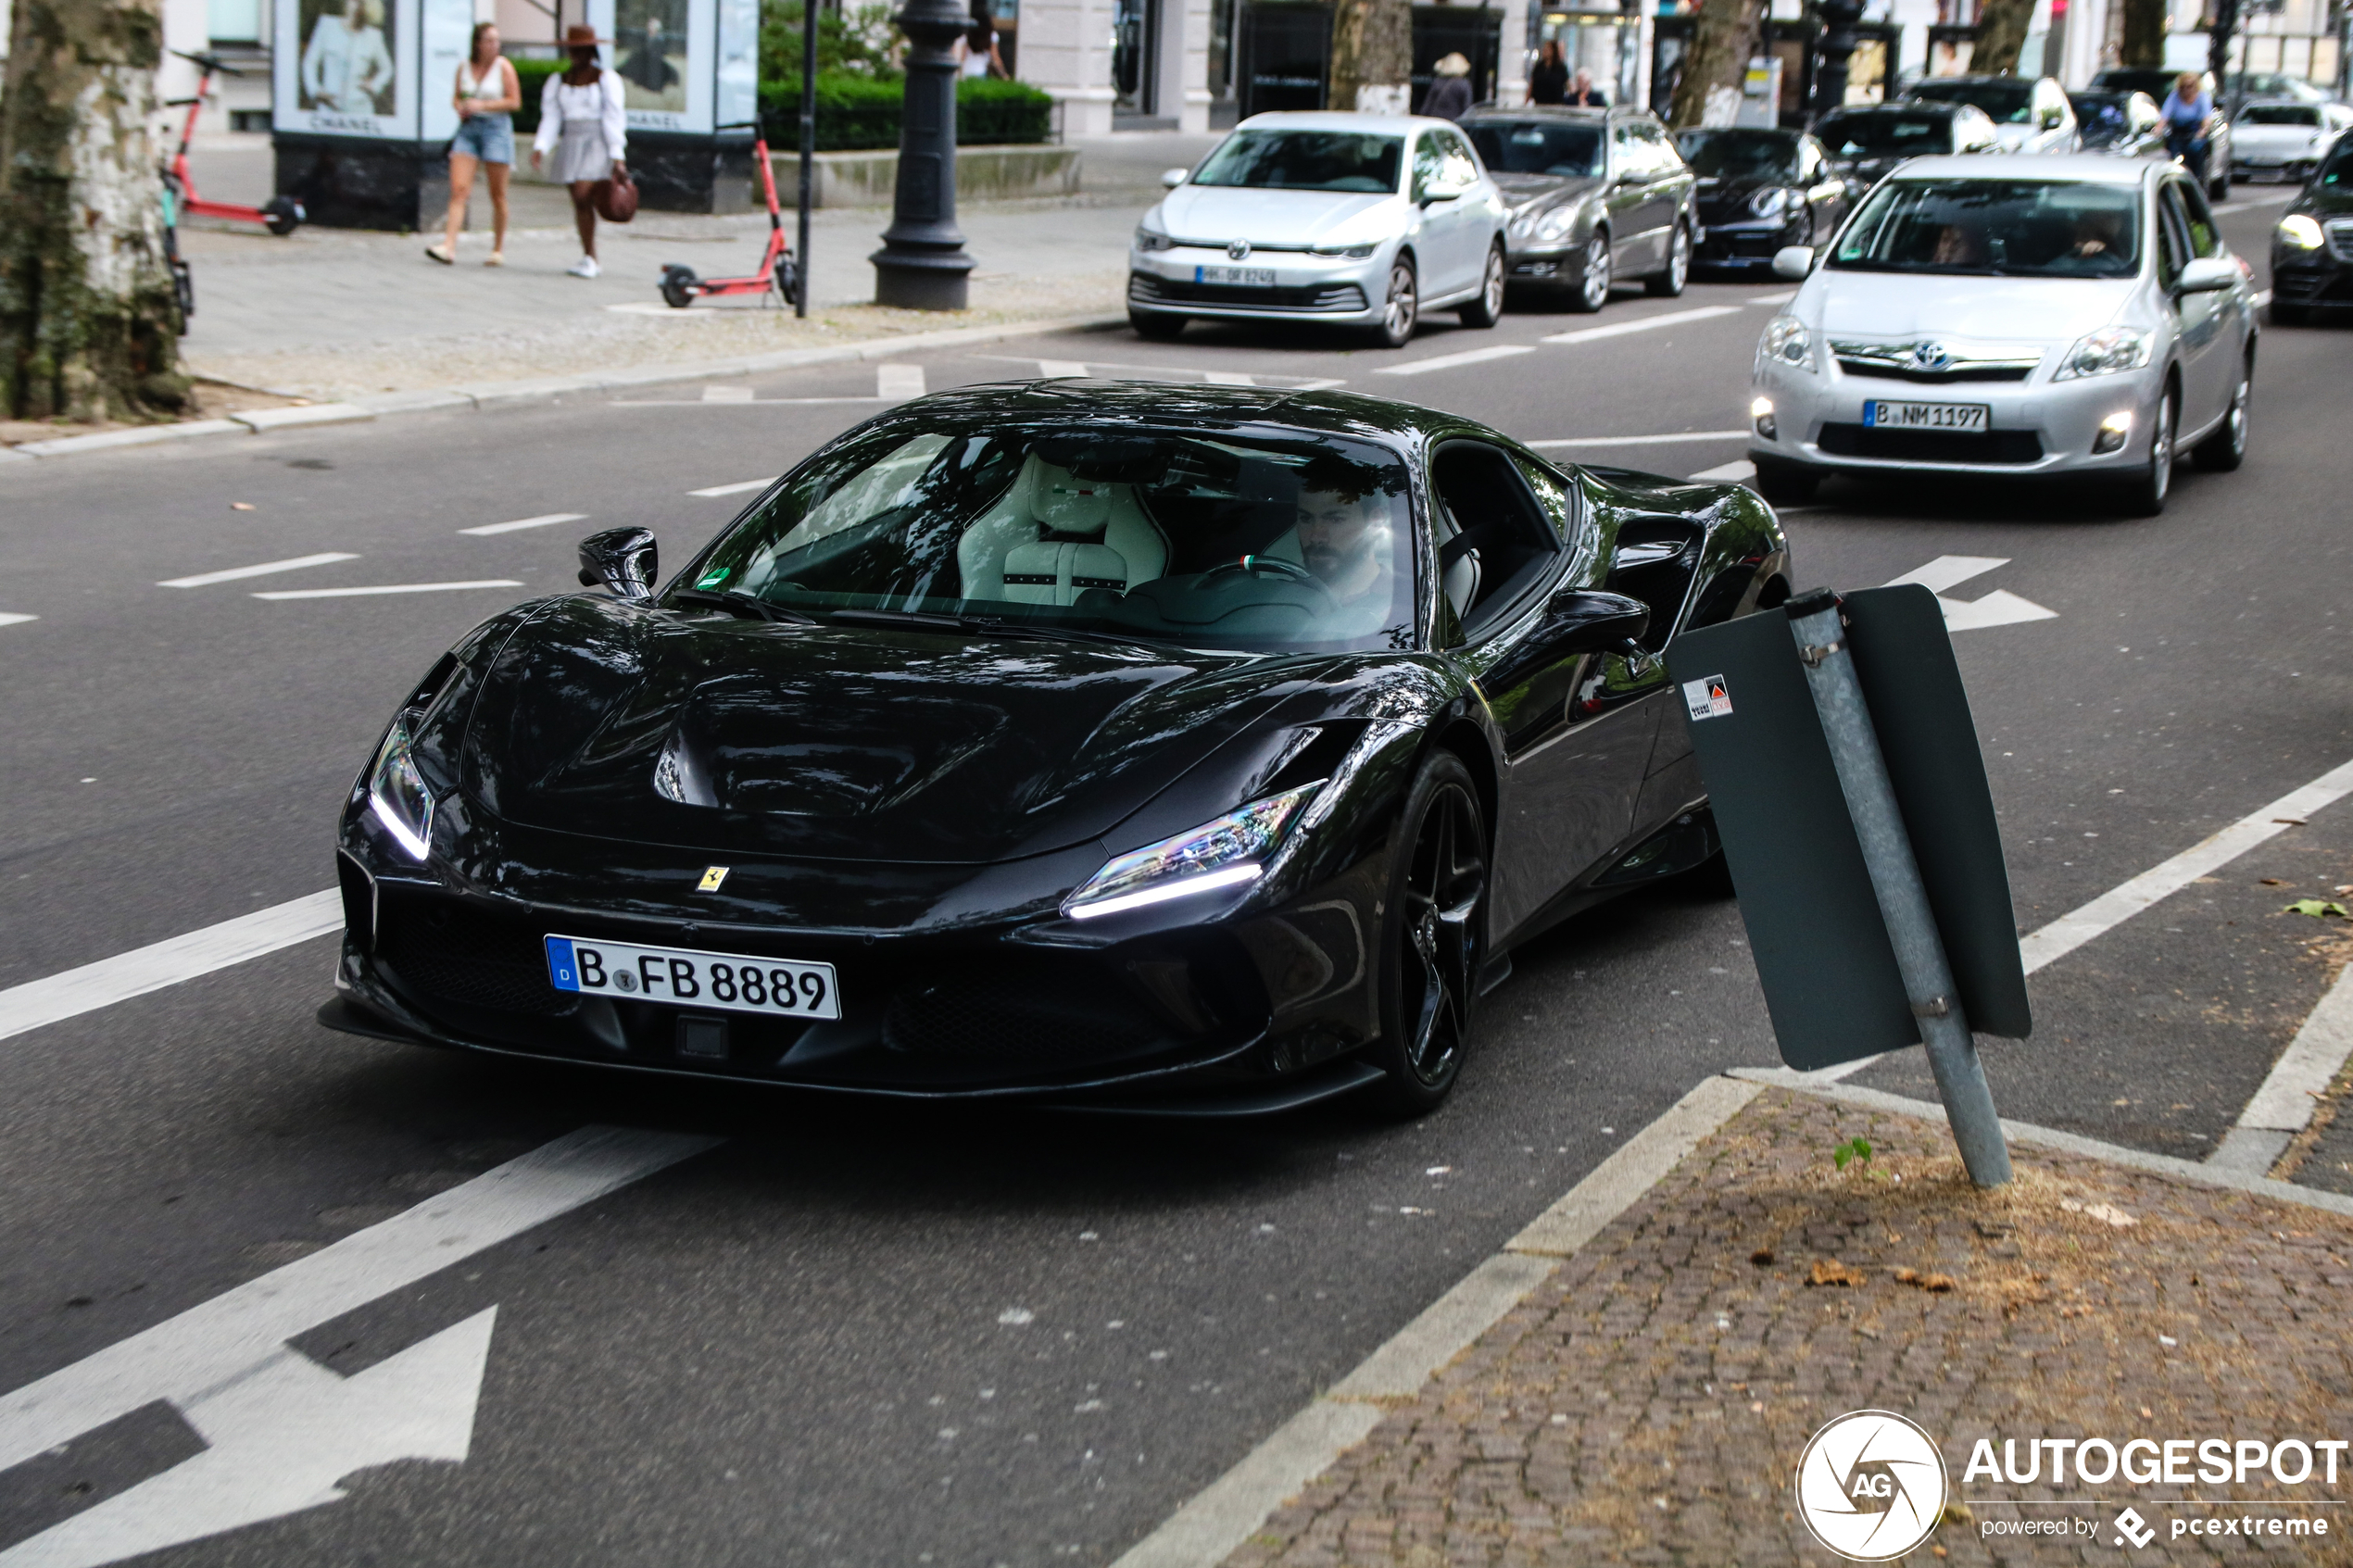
(2097, 233)
(1345, 540)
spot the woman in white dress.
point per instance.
(582, 120)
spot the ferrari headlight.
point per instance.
(2299, 232)
(1787, 340)
(398, 796)
(1153, 239)
(1769, 203)
(1226, 853)
(2105, 351)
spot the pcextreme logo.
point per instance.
(1871, 1486)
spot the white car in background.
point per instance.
(1356, 219)
(1993, 315)
(2285, 140)
(2028, 116)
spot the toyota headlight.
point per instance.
(1226, 853)
(2108, 350)
(1153, 239)
(2299, 232)
(398, 796)
(1787, 340)
(1770, 203)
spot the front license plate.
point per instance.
(1244, 277)
(1880, 414)
(738, 983)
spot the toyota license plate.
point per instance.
(736, 982)
(1236, 277)
(1959, 417)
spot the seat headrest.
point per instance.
(1066, 504)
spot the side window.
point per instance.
(1624, 157)
(2172, 234)
(1457, 165)
(1809, 160)
(1663, 157)
(1493, 539)
(2205, 238)
(1563, 509)
(1428, 161)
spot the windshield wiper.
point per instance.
(743, 604)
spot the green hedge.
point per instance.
(533, 77)
(862, 112)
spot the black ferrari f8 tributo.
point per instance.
(1174, 748)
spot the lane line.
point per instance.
(735, 402)
(1641, 440)
(1452, 361)
(2292, 1090)
(1950, 572)
(735, 489)
(236, 1332)
(1645, 324)
(72, 991)
(1228, 378)
(487, 528)
(726, 395)
(293, 563)
(1734, 472)
(2250, 204)
(1782, 298)
(1052, 370)
(11, 617)
(900, 382)
(389, 588)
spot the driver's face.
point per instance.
(1333, 530)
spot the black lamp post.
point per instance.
(922, 264)
(1839, 17)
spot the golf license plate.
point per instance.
(1239, 277)
(734, 981)
(1959, 417)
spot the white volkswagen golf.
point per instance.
(2072, 315)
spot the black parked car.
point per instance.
(1760, 190)
(2312, 246)
(1204, 748)
(1866, 141)
(2121, 124)
(1597, 196)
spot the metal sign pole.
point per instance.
(808, 145)
(1895, 879)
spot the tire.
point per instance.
(1488, 309)
(2289, 315)
(2144, 493)
(678, 287)
(1590, 290)
(184, 297)
(1785, 483)
(1433, 940)
(1401, 309)
(1668, 283)
(2225, 450)
(2221, 189)
(1157, 328)
(284, 215)
(786, 276)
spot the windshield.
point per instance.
(2280, 114)
(1740, 155)
(2006, 103)
(1289, 542)
(1535, 146)
(2011, 227)
(1884, 135)
(2338, 170)
(2101, 116)
(1304, 160)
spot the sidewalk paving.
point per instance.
(1649, 1402)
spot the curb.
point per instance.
(491, 394)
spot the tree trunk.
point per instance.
(1372, 46)
(2143, 46)
(87, 311)
(2001, 29)
(1719, 58)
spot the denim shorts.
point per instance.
(490, 137)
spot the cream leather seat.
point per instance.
(1053, 536)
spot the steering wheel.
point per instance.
(1276, 564)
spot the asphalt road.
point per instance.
(873, 1335)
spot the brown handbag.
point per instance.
(615, 199)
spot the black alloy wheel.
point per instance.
(1156, 328)
(1434, 939)
(1668, 283)
(1401, 309)
(2145, 493)
(1590, 292)
(2225, 450)
(1488, 309)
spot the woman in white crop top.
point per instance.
(487, 93)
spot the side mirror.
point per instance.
(1577, 621)
(622, 560)
(1794, 262)
(2206, 274)
(1172, 178)
(1434, 193)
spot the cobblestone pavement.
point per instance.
(1648, 1404)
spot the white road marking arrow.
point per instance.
(2000, 608)
(279, 1438)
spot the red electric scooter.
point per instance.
(280, 215)
(680, 287)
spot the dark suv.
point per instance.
(2312, 246)
(1865, 141)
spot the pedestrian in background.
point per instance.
(487, 95)
(1548, 84)
(1450, 93)
(582, 120)
(1584, 94)
(2186, 111)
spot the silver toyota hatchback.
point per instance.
(2067, 316)
(1357, 219)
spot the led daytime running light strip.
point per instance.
(1232, 876)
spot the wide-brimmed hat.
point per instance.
(1453, 65)
(579, 35)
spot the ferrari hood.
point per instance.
(1979, 310)
(1220, 213)
(839, 743)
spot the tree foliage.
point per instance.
(2143, 46)
(1727, 35)
(2001, 32)
(859, 43)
